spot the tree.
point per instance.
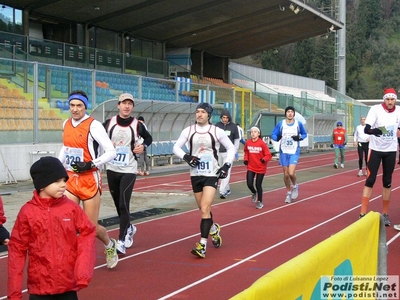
(271, 60)
(373, 45)
(302, 58)
(322, 61)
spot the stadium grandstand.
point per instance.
(170, 61)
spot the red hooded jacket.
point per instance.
(59, 240)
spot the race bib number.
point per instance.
(122, 158)
(389, 134)
(206, 165)
(73, 155)
(288, 143)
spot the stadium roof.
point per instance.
(226, 28)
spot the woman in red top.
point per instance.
(256, 157)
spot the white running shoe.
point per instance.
(397, 227)
(111, 255)
(295, 191)
(226, 194)
(288, 198)
(386, 220)
(121, 247)
(199, 250)
(360, 173)
(259, 205)
(215, 236)
(342, 166)
(254, 198)
(129, 236)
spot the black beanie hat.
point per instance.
(290, 108)
(207, 107)
(47, 170)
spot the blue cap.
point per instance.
(339, 124)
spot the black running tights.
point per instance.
(121, 187)
(259, 181)
(362, 149)
(71, 295)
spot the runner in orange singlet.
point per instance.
(80, 154)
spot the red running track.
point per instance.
(160, 266)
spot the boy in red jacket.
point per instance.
(56, 236)
(256, 157)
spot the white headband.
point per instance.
(256, 128)
(389, 95)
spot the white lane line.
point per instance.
(260, 252)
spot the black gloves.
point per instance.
(331, 146)
(223, 171)
(192, 161)
(296, 138)
(262, 160)
(376, 132)
(79, 167)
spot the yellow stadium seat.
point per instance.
(28, 124)
(17, 113)
(58, 124)
(4, 125)
(7, 92)
(8, 112)
(24, 112)
(43, 125)
(21, 124)
(28, 103)
(3, 102)
(12, 125)
(19, 103)
(44, 114)
(52, 114)
(2, 113)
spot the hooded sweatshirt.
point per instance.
(230, 129)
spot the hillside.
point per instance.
(372, 47)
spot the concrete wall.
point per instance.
(278, 78)
(16, 160)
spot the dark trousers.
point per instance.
(4, 234)
(250, 184)
(71, 295)
(121, 187)
(362, 149)
(388, 161)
